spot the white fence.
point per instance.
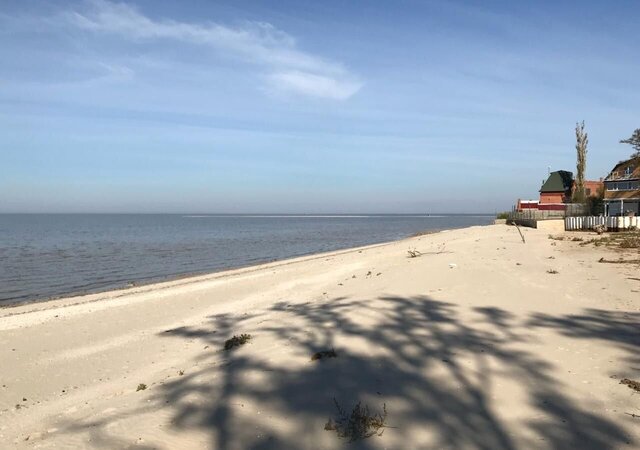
(590, 222)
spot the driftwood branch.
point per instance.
(521, 235)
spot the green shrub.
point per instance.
(236, 341)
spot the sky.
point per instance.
(292, 106)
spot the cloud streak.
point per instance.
(290, 70)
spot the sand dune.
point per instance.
(473, 345)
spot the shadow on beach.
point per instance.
(436, 373)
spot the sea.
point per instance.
(46, 256)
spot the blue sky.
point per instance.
(295, 106)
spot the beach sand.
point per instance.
(472, 345)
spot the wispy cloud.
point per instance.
(259, 43)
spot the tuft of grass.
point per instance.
(552, 271)
(237, 341)
(324, 354)
(556, 238)
(413, 253)
(141, 387)
(360, 423)
(577, 239)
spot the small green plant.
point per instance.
(141, 387)
(237, 341)
(359, 424)
(324, 354)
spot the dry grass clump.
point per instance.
(599, 229)
(556, 238)
(413, 253)
(630, 242)
(552, 271)
(619, 261)
(324, 354)
(359, 423)
(141, 387)
(237, 341)
(635, 385)
(620, 240)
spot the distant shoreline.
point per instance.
(120, 281)
(131, 287)
(188, 278)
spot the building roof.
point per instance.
(619, 172)
(559, 181)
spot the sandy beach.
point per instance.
(481, 342)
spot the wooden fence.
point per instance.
(611, 223)
(570, 210)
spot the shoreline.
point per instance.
(131, 286)
(186, 279)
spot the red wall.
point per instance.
(552, 197)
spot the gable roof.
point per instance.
(619, 171)
(559, 181)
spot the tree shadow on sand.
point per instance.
(620, 328)
(436, 372)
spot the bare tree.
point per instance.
(634, 141)
(581, 165)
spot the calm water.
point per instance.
(45, 256)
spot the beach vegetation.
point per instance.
(141, 387)
(237, 341)
(502, 215)
(624, 240)
(632, 384)
(324, 354)
(413, 253)
(360, 423)
(552, 271)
